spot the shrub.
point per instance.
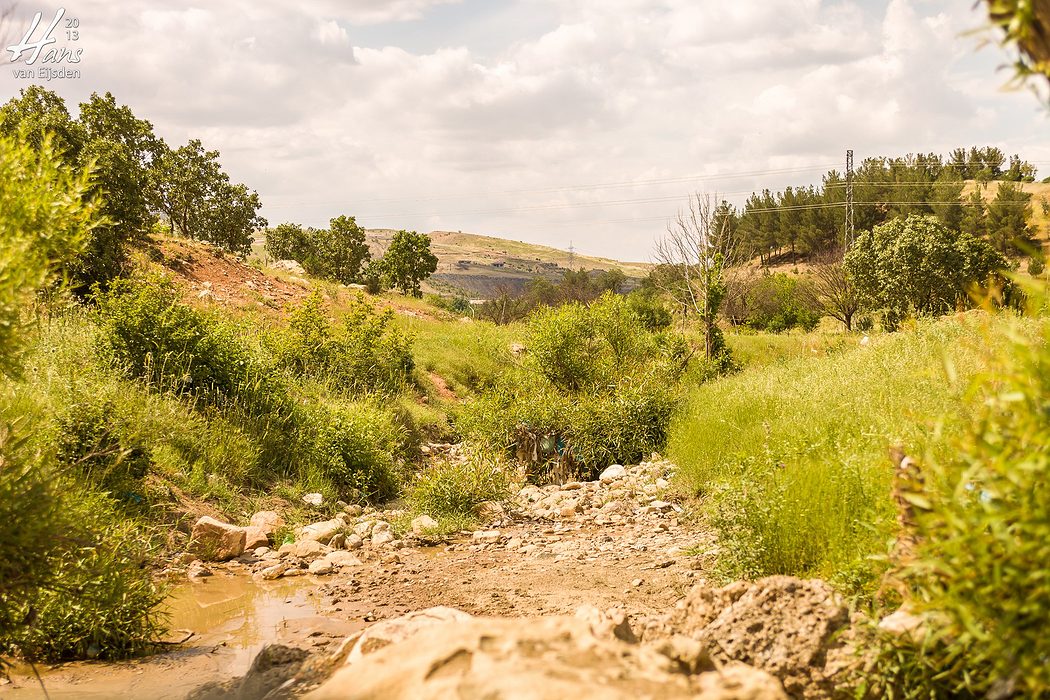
(103, 602)
(149, 333)
(453, 490)
(779, 302)
(365, 352)
(917, 265)
(595, 387)
(650, 309)
(982, 561)
(349, 449)
(91, 441)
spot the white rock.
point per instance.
(381, 537)
(424, 524)
(313, 499)
(320, 567)
(612, 473)
(364, 528)
(320, 532)
(486, 536)
(341, 557)
(353, 542)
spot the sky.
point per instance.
(582, 122)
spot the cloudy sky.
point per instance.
(549, 121)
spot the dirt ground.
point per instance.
(636, 554)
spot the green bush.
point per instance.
(363, 353)
(452, 490)
(103, 602)
(982, 563)
(148, 332)
(778, 302)
(595, 387)
(91, 440)
(350, 449)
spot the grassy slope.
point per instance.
(792, 457)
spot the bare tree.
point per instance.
(694, 255)
(831, 290)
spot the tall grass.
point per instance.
(468, 355)
(792, 458)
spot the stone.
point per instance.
(398, 629)
(268, 520)
(197, 570)
(309, 549)
(255, 537)
(342, 558)
(660, 506)
(490, 511)
(273, 666)
(286, 549)
(313, 499)
(486, 536)
(780, 624)
(612, 473)
(353, 510)
(381, 526)
(337, 541)
(548, 658)
(320, 532)
(364, 529)
(381, 537)
(424, 525)
(611, 623)
(288, 266)
(320, 567)
(215, 540)
(271, 573)
(353, 542)
(261, 551)
(905, 624)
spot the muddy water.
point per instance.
(231, 618)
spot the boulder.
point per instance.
(780, 624)
(214, 540)
(313, 499)
(526, 659)
(424, 525)
(612, 473)
(255, 537)
(309, 549)
(381, 537)
(388, 632)
(320, 567)
(323, 531)
(266, 520)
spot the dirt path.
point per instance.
(611, 543)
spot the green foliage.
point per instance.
(103, 602)
(981, 564)
(650, 309)
(288, 241)
(364, 352)
(791, 458)
(408, 261)
(338, 253)
(117, 147)
(149, 333)
(201, 202)
(779, 302)
(916, 265)
(453, 490)
(92, 441)
(44, 222)
(350, 449)
(1007, 220)
(595, 387)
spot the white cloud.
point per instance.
(324, 110)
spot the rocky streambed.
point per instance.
(589, 588)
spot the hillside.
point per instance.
(481, 266)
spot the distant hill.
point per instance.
(481, 266)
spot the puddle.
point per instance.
(232, 619)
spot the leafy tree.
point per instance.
(288, 241)
(973, 221)
(916, 264)
(1008, 216)
(37, 112)
(408, 261)
(200, 201)
(339, 252)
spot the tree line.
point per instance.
(808, 221)
(137, 179)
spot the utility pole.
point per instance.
(572, 254)
(849, 200)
